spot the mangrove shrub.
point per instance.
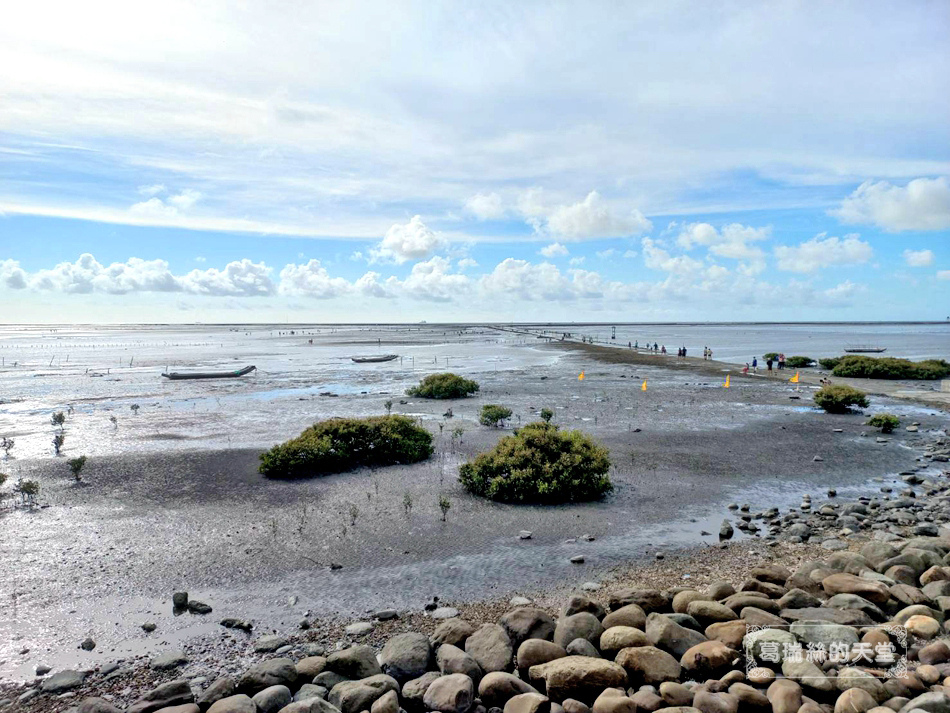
(887, 422)
(540, 464)
(443, 386)
(798, 362)
(494, 415)
(341, 444)
(838, 398)
(865, 367)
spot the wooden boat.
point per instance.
(864, 349)
(375, 359)
(180, 375)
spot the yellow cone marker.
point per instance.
(580, 377)
(644, 386)
(794, 379)
(726, 385)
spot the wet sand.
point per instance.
(104, 557)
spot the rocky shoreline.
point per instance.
(674, 635)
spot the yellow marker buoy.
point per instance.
(580, 377)
(643, 387)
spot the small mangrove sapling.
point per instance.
(75, 467)
(58, 440)
(444, 505)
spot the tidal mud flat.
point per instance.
(104, 556)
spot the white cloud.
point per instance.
(577, 260)
(201, 258)
(923, 204)
(466, 263)
(485, 206)
(629, 254)
(841, 294)
(919, 258)
(605, 254)
(407, 241)
(156, 208)
(553, 250)
(594, 218)
(238, 278)
(311, 280)
(656, 257)
(732, 241)
(152, 190)
(821, 251)
(12, 275)
(431, 280)
(370, 286)
(943, 274)
(185, 200)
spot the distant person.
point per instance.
(636, 344)
(705, 353)
(710, 355)
(755, 365)
(684, 352)
(781, 362)
(656, 347)
(745, 369)
(768, 364)
(663, 349)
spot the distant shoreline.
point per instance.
(295, 325)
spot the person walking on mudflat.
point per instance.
(755, 365)
(768, 364)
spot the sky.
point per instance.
(452, 161)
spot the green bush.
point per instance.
(770, 355)
(865, 367)
(887, 422)
(443, 386)
(838, 398)
(829, 362)
(540, 464)
(494, 415)
(798, 362)
(547, 414)
(341, 444)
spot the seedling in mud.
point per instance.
(58, 419)
(457, 434)
(7, 445)
(444, 505)
(75, 467)
(546, 415)
(354, 513)
(115, 422)
(407, 504)
(58, 440)
(135, 409)
(389, 407)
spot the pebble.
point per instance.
(577, 559)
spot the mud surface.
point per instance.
(105, 556)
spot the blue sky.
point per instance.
(498, 161)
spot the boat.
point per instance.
(864, 349)
(180, 375)
(375, 359)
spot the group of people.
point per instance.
(707, 353)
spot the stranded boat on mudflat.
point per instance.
(864, 349)
(374, 359)
(180, 375)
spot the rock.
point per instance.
(525, 535)
(444, 613)
(310, 705)
(452, 631)
(666, 634)
(923, 627)
(708, 702)
(719, 590)
(234, 704)
(682, 599)
(354, 663)
(196, 607)
(173, 693)
(629, 615)
(310, 690)
(582, 647)
(88, 644)
(491, 648)
(357, 696)
(272, 672)
(935, 653)
(269, 643)
(620, 637)
(750, 699)
(613, 700)
(496, 688)
(414, 691)
(807, 674)
(571, 706)
(649, 600)
(855, 700)
(844, 583)
(451, 659)
(823, 633)
(647, 701)
(168, 661)
(581, 603)
(359, 628)
(221, 688)
(856, 678)
(582, 625)
(180, 600)
(387, 703)
(98, 705)
(272, 699)
(148, 627)
(707, 658)
(328, 679)
(63, 681)
(537, 651)
(310, 667)
(726, 530)
(579, 677)
(767, 640)
(707, 613)
(730, 633)
(847, 617)
(854, 601)
(649, 665)
(785, 696)
(676, 694)
(450, 694)
(529, 703)
(406, 656)
(932, 702)
(528, 623)
(577, 559)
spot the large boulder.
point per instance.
(354, 663)
(823, 633)
(666, 634)
(582, 603)
(579, 677)
(239, 703)
(932, 702)
(272, 699)
(707, 658)
(583, 625)
(496, 688)
(629, 615)
(406, 656)
(620, 637)
(707, 613)
(173, 693)
(221, 688)
(528, 623)
(452, 631)
(450, 694)
(537, 651)
(273, 672)
(310, 705)
(357, 696)
(451, 659)
(491, 648)
(528, 703)
(414, 691)
(649, 600)
(785, 696)
(63, 681)
(842, 583)
(649, 665)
